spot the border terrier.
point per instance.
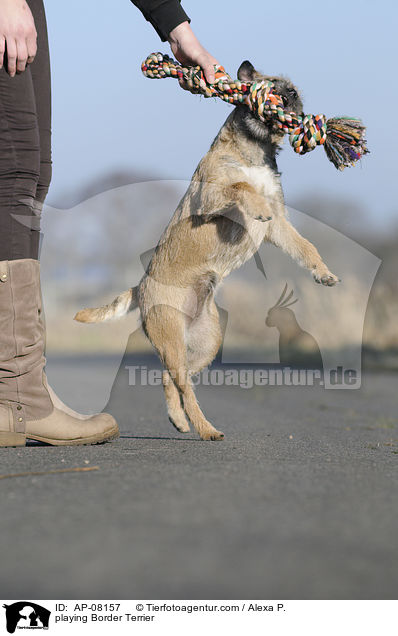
(233, 203)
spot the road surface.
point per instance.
(299, 501)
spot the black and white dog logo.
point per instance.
(26, 615)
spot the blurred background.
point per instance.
(125, 148)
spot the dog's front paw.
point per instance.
(324, 277)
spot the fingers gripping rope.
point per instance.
(343, 138)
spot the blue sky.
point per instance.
(108, 117)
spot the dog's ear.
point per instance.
(246, 71)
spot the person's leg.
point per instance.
(26, 406)
(25, 149)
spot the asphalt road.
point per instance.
(299, 501)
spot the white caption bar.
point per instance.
(277, 618)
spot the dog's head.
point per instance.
(283, 87)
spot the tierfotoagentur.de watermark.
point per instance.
(248, 378)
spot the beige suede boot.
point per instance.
(26, 407)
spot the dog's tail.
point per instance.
(122, 305)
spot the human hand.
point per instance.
(189, 51)
(17, 35)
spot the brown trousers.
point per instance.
(25, 149)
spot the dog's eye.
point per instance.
(289, 95)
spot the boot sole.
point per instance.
(19, 439)
(12, 439)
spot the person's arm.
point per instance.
(164, 15)
(172, 24)
(17, 35)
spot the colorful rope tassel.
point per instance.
(342, 137)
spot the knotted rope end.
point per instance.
(345, 141)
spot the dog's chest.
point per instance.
(242, 246)
(242, 239)
(264, 180)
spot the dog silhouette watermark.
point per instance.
(333, 319)
(26, 615)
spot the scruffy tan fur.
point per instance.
(233, 203)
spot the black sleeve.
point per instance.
(164, 15)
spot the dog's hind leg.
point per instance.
(174, 407)
(204, 337)
(166, 329)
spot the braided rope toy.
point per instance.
(342, 137)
